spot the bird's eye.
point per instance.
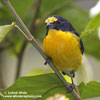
(58, 22)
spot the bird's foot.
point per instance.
(63, 73)
(72, 74)
(48, 60)
(70, 88)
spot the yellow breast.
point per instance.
(64, 49)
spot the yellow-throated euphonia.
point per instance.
(63, 45)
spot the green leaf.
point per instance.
(1, 98)
(90, 38)
(92, 45)
(35, 85)
(92, 26)
(47, 85)
(4, 30)
(91, 89)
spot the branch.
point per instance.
(36, 45)
(37, 8)
(20, 56)
(2, 85)
(32, 29)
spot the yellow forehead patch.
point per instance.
(51, 20)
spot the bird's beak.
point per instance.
(49, 25)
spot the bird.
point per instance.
(63, 46)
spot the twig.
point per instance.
(36, 45)
(32, 29)
(22, 25)
(23, 33)
(2, 85)
(20, 56)
(77, 91)
(37, 8)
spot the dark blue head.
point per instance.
(58, 23)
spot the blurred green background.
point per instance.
(19, 58)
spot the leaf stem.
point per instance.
(36, 45)
(22, 25)
(17, 27)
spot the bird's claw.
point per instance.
(48, 60)
(70, 88)
(63, 73)
(72, 74)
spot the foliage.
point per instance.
(62, 8)
(4, 30)
(90, 38)
(92, 26)
(47, 85)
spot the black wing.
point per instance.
(81, 43)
